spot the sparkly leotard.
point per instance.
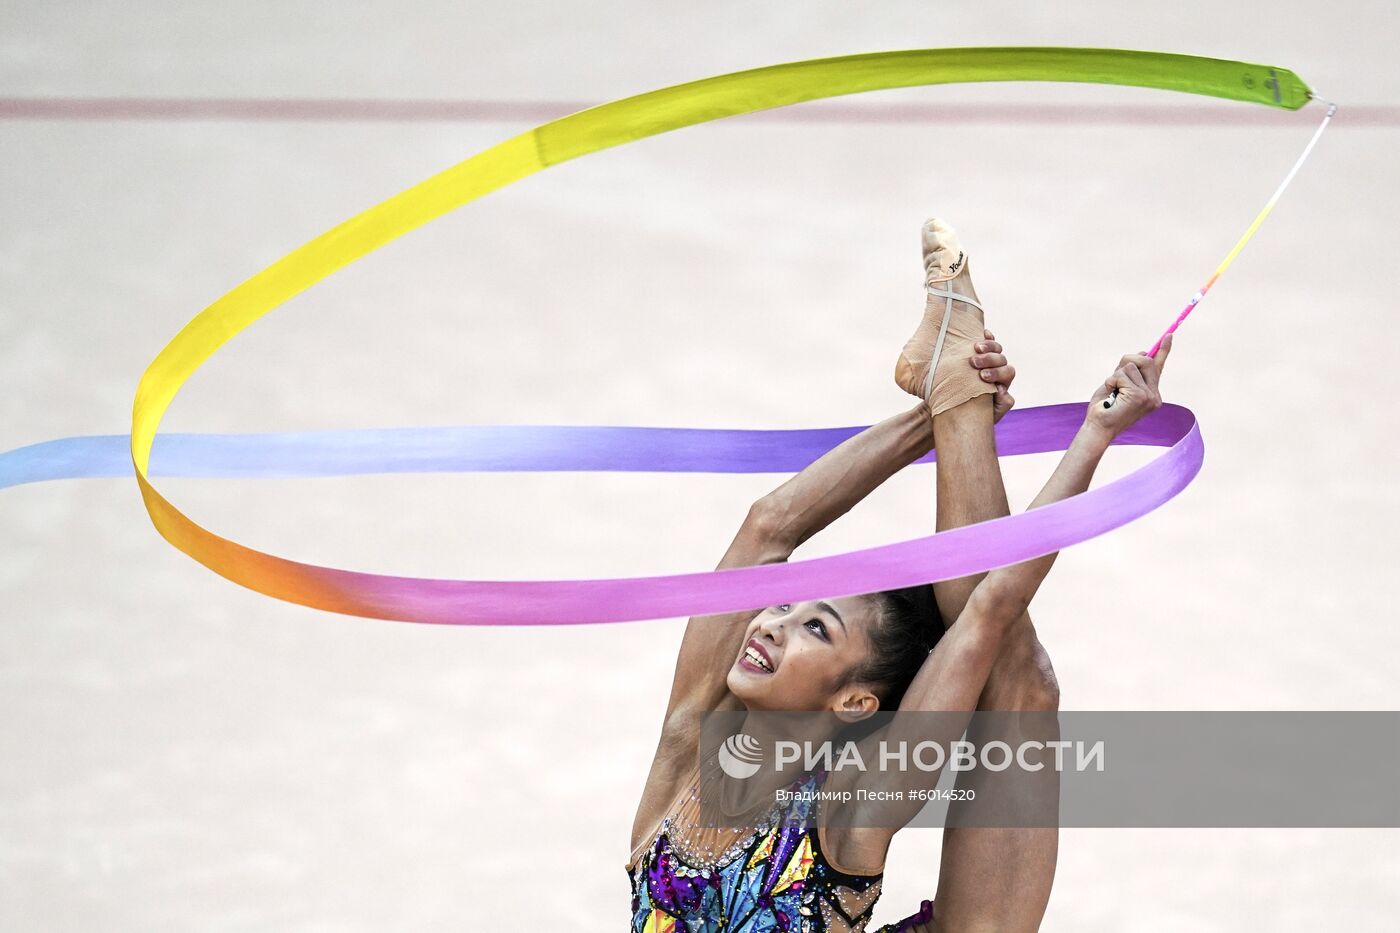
(772, 877)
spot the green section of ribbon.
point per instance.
(728, 95)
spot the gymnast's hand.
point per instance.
(990, 360)
(1136, 383)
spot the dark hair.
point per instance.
(907, 627)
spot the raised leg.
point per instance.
(992, 879)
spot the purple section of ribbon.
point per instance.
(943, 556)
(486, 449)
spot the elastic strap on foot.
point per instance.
(949, 297)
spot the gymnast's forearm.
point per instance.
(832, 485)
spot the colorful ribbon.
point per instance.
(949, 554)
(495, 448)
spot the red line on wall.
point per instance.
(536, 111)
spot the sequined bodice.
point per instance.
(772, 877)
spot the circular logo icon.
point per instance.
(740, 756)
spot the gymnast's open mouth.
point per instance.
(755, 658)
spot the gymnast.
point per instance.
(854, 655)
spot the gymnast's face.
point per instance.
(796, 656)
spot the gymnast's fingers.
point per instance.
(1146, 366)
(1164, 351)
(992, 359)
(1118, 379)
(989, 345)
(1000, 375)
(1002, 402)
(1135, 376)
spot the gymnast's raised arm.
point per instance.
(953, 676)
(774, 527)
(956, 670)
